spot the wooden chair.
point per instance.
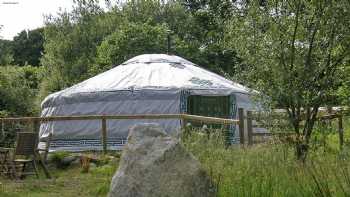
(4, 161)
(24, 154)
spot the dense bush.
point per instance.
(18, 89)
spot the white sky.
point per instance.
(27, 14)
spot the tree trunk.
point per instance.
(302, 145)
(301, 150)
(302, 141)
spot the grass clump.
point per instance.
(269, 170)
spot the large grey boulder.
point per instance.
(155, 164)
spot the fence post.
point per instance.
(3, 128)
(250, 127)
(241, 125)
(35, 126)
(183, 122)
(341, 131)
(104, 135)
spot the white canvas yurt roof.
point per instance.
(154, 72)
(145, 84)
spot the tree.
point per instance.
(210, 18)
(71, 40)
(294, 52)
(132, 40)
(199, 24)
(28, 47)
(18, 87)
(6, 52)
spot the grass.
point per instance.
(66, 183)
(271, 169)
(260, 170)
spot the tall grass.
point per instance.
(269, 169)
(66, 183)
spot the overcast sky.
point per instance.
(17, 15)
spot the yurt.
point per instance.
(145, 84)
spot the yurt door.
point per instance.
(213, 106)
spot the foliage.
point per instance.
(18, 87)
(6, 54)
(28, 47)
(132, 40)
(70, 44)
(294, 53)
(344, 90)
(210, 19)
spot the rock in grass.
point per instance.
(68, 160)
(154, 164)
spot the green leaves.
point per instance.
(18, 88)
(293, 46)
(25, 49)
(132, 40)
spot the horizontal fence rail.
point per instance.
(35, 120)
(125, 117)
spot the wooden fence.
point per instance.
(246, 130)
(250, 118)
(35, 121)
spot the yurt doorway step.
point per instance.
(213, 106)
